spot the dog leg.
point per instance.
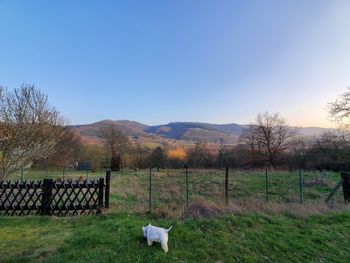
(149, 242)
(164, 246)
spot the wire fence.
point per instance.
(171, 191)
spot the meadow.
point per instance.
(246, 189)
(247, 229)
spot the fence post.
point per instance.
(266, 185)
(100, 195)
(301, 186)
(46, 196)
(108, 186)
(150, 191)
(186, 173)
(226, 184)
(346, 186)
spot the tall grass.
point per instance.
(246, 190)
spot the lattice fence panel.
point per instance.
(74, 198)
(48, 197)
(20, 198)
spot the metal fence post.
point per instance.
(301, 186)
(46, 196)
(266, 185)
(346, 186)
(100, 195)
(108, 186)
(186, 173)
(150, 190)
(226, 184)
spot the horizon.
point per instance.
(158, 61)
(166, 123)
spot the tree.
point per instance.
(331, 151)
(157, 158)
(340, 110)
(92, 157)
(140, 156)
(117, 145)
(268, 137)
(175, 157)
(299, 153)
(199, 156)
(66, 152)
(29, 127)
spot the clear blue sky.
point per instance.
(162, 61)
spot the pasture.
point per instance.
(169, 193)
(247, 229)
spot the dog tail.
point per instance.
(167, 230)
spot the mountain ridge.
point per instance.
(175, 131)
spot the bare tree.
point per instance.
(117, 145)
(66, 153)
(268, 137)
(340, 110)
(199, 156)
(140, 156)
(29, 127)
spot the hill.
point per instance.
(174, 132)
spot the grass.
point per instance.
(232, 238)
(247, 230)
(131, 192)
(130, 189)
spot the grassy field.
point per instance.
(248, 229)
(232, 238)
(130, 189)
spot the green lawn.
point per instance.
(232, 238)
(247, 230)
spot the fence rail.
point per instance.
(53, 197)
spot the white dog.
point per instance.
(156, 234)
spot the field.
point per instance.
(248, 229)
(246, 189)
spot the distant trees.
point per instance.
(29, 127)
(268, 137)
(93, 157)
(331, 151)
(116, 144)
(238, 156)
(176, 157)
(157, 158)
(140, 156)
(66, 152)
(199, 156)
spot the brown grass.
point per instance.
(203, 209)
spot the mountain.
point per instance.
(195, 131)
(174, 132)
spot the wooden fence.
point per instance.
(52, 197)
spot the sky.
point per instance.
(161, 61)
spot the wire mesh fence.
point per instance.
(172, 191)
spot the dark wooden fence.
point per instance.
(52, 197)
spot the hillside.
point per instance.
(174, 132)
